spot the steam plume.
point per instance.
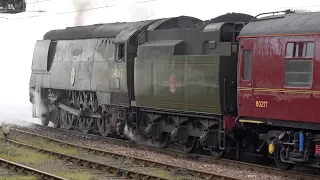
(129, 134)
(142, 13)
(80, 6)
(41, 109)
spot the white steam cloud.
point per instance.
(40, 106)
(128, 132)
(136, 138)
(81, 7)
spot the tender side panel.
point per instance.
(180, 82)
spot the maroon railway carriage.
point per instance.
(279, 86)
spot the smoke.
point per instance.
(137, 139)
(40, 106)
(80, 7)
(128, 132)
(142, 13)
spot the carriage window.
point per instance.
(299, 68)
(310, 49)
(247, 62)
(296, 49)
(298, 73)
(300, 49)
(289, 50)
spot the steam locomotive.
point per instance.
(233, 83)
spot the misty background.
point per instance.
(19, 33)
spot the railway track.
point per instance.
(138, 161)
(28, 170)
(202, 158)
(123, 173)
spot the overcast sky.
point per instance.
(18, 36)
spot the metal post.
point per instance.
(5, 130)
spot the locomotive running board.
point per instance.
(74, 111)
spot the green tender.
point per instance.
(179, 82)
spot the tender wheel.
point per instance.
(104, 126)
(143, 124)
(85, 124)
(189, 145)
(164, 140)
(217, 153)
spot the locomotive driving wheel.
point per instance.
(44, 121)
(67, 120)
(104, 126)
(85, 124)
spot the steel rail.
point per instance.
(94, 165)
(28, 170)
(198, 157)
(141, 161)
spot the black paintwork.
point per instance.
(94, 31)
(96, 52)
(231, 17)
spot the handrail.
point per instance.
(273, 13)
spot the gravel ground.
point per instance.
(6, 174)
(47, 163)
(125, 163)
(217, 168)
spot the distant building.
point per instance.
(12, 6)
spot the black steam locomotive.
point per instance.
(166, 79)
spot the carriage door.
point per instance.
(245, 80)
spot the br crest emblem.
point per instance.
(172, 83)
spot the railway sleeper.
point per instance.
(88, 163)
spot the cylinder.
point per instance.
(301, 141)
